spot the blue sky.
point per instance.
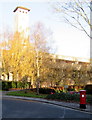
(68, 40)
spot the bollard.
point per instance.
(83, 99)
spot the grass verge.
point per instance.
(28, 94)
(57, 96)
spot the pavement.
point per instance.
(59, 103)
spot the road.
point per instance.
(16, 108)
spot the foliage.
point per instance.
(14, 84)
(0, 85)
(69, 97)
(41, 58)
(30, 61)
(46, 90)
(6, 85)
(70, 89)
(88, 89)
(27, 58)
(89, 99)
(17, 56)
(64, 96)
(57, 96)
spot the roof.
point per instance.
(70, 58)
(21, 8)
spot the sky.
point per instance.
(68, 41)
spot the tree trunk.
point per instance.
(37, 86)
(38, 74)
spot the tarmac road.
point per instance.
(17, 108)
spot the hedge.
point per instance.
(88, 89)
(68, 97)
(64, 96)
(6, 85)
(44, 90)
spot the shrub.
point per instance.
(88, 89)
(46, 90)
(6, 85)
(68, 97)
(70, 89)
(58, 90)
(64, 96)
(14, 84)
(19, 84)
(89, 99)
(0, 85)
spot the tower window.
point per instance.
(20, 10)
(23, 11)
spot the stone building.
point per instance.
(21, 21)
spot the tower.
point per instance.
(21, 21)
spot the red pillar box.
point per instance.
(83, 99)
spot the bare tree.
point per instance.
(77, 13)
(39, 39)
